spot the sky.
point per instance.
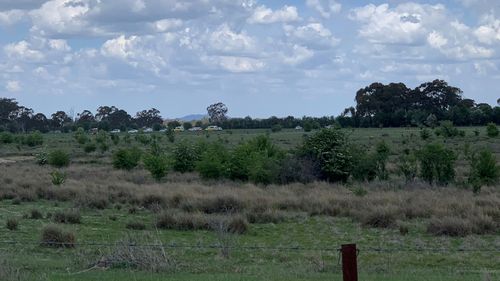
(261, 58)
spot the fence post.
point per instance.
(349, 262)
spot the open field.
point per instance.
(406, 231)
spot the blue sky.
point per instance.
(261, 58)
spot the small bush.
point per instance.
(449, 226)
(185, 157)
(383, 217)
(437, 164)
(157, 165)
(447, 129)
(6, 137)
(266, 216)
(58, 158)
(492, 130)
(364, 165)
(238, 225)
(90, 147)
(425, 134)
(126, 159)
(35, 214)
(329, 147)
(12, 224)
(136, 225)
(276, 128)
(182, 221)
(81, 136)
(408, 165)
(68, 216)
(213, 163)
(56, 237)
(42, 157)
(295, 168)
(33, 139)
(58, 177)
(484, 169)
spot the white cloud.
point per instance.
(59, 45)
(22, 50)
(13, 86)
(225, 40)
(405, 24)
(264, 15)
(299, 55)
(314, 35)
(489, 32)
(11, 17)
(235, 64)
(326, 8)
(167, 24)
(436, 40)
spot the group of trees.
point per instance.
(378, 105)
(396, 105)
(17, 118)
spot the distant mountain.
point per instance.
(192, 117)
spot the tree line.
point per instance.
(377, 105)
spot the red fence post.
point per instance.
(349, 262)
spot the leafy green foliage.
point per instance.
(446, 129)
(213, 163)
(42, 157)
(126, 159)
(33, 139)
(329, 147)
(425, 134)
(437, 164)
(90, 147)
(6, 137)
(492, 130)
(408, 165)
(58, 158)
(157, 165)
(58, 177)
(81, 136)
(484, 169)
(364, 165)
(185, 156)
(381, 156)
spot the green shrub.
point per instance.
(294, 168)
(56, 237)
(364, 165)
(425, 134)
(35, 214)
(33, 139)
(42, 157)
(6, 137)
(67, 216)
(276, 128)
(492, 130)
(101, 137)
(170, 135)
(437, 164)
(81, 136)
(447, 129)
(58, 158)
(484, 170)
(90, 147)
(12, 224)
(408, 165)
(126, 159)
(255, 160)
(381, 156)
(213, 163)
(157, 165)
(185, 156)
(58, 177)
(115, 139)
(329, 147)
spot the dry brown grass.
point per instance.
(93, 186)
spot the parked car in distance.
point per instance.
(115, 131)
(179, 129)
(148, 130)
(163, 130)
(213, 128)
(195, 129)
(133, 131)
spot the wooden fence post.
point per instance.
(349, 262)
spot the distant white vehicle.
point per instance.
(115, 131)
(148, 130)
(213, 128)
(298, 128)
(133, 131)
(179, 129)
(163, 130)
(195, 129)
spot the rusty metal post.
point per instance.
(349, 262)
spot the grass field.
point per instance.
(294, 231)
